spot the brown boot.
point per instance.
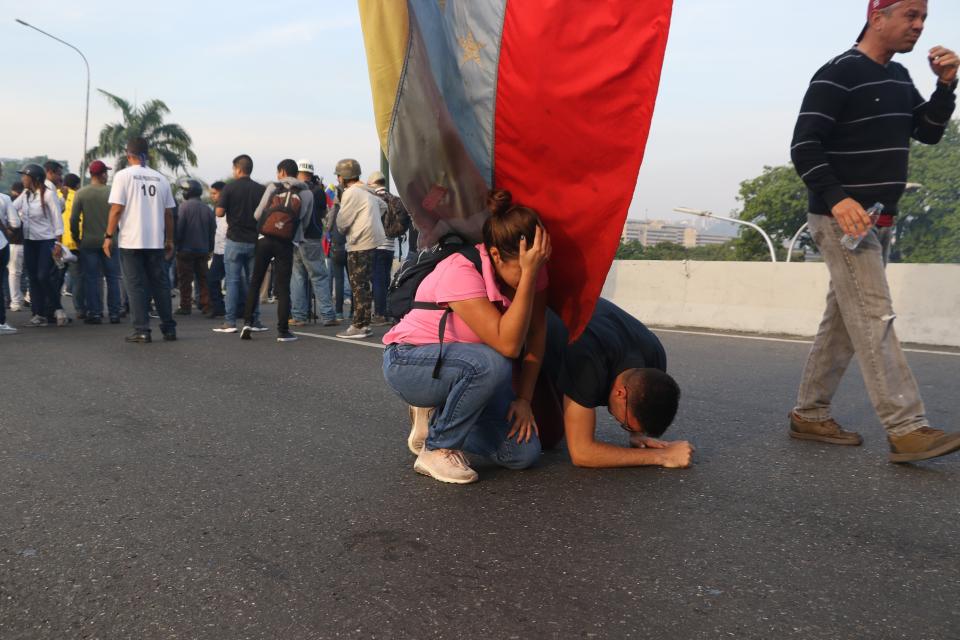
(826, 431)
(922, 444)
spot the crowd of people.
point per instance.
(293, 241)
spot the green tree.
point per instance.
(629, 250)
(928, 228)
(776, 200)
(170, 145)
(12, 165)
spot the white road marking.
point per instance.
(786, 340)
(362, 343)
(377, 345)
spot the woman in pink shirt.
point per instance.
(496, 316)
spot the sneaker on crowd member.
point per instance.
(238, 202)
(284, 207)
(359, 219)
(141, 217)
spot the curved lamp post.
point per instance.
(86, 117)
(710, 214)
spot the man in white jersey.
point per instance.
(141, 205)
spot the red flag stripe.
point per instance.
(576, 90)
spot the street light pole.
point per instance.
(86, 116)
(710, 214)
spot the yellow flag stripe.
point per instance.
(386, 31)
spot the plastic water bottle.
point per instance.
(851, 242)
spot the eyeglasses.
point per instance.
(626, 412)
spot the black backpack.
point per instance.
(314, 230)
(401, 296)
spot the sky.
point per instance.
(246, 77)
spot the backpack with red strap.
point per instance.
(281, 217)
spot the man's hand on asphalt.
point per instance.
(640, 441)
(677, 455)
(944, 63)
(851, 217)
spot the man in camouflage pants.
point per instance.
(360, 221)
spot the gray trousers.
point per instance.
(859, 320)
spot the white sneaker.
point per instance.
(225, 328)
(6, 329)
(445, 465)
(257, 327)
(61, 317)
(15, 307)
(419, 425)
(355, 333)
(37, 321)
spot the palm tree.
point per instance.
(169, 143)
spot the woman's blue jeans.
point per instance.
(472, 397)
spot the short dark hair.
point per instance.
(289, 167)
(71, 181)
(17, 187)
(52, 165)
(244, 163)
(137, 146)
(218, 185)
(654, 398)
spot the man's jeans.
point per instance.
(472, 397)
(238, 260)
(859, 320)
(146, 275)
(215, 284)
(382, 265)
(96, 264)
(4, 258)
(309, 262)
(74, 270)
(15, 278)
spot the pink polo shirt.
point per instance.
(452, 280)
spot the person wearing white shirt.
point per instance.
(141, 218)
(8, 220)
(38, 210)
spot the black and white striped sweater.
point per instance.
(852, 137)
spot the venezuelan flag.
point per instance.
(551, 99)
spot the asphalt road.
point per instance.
(213, 488)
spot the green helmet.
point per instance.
(348, 169)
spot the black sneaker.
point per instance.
(182, 312)
(169, 336)
(140, 337)
(93, 320)
(114, 319)
(246, 333)
(286, 336)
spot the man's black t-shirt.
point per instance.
(240, 199)
(613, 342)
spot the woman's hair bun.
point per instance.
(498, 201)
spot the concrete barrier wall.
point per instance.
(781, 298)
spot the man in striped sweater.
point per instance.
(851, 147)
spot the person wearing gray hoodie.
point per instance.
(271, 246)
(359, 219)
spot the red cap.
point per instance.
(97, 167)
(875, 5)
(879, 5)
